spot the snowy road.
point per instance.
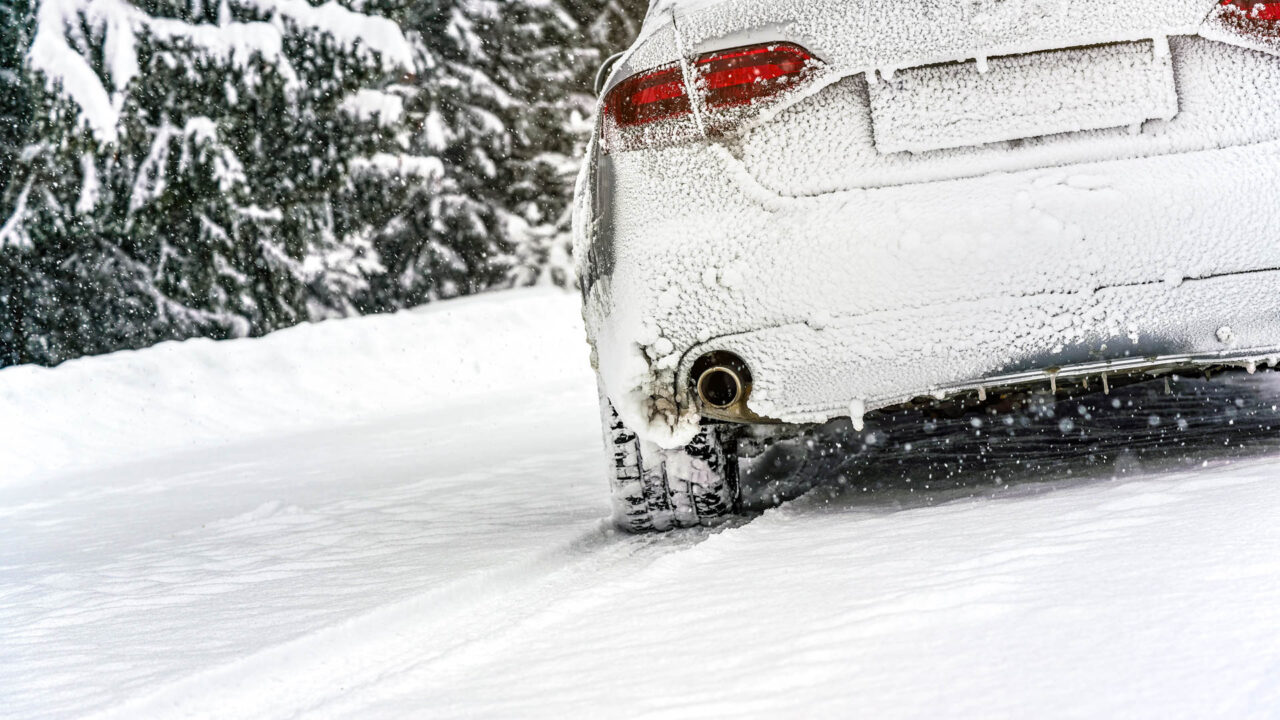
(403, 516)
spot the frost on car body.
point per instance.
(941, 198)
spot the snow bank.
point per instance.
(200, 393)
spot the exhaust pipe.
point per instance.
(722, 382)
(720, 387)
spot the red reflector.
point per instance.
(1257, 10)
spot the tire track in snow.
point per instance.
(301, 677)
(196, 561)
(830, 605)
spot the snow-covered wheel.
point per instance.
(659, 490)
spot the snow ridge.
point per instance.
(102, 410)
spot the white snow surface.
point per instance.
(402, 516)
(425, 167)
(202, 394)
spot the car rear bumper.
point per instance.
(802, 373)
(866, 298)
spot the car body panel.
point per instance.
(826, 142)
(851, 278)
(858, 35)
(972, 103)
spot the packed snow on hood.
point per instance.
(404, 516)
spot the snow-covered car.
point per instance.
(794, 211)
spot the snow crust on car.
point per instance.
(826, 142)
(860, 291)
(783, 228)
(939, 107)
(856, 35)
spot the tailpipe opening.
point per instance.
(721, 381)
(719, 387)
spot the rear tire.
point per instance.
(655, 490)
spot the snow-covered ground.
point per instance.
(404, 516)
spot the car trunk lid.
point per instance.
(858, 35)
(952, 105)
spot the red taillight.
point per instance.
(647, 97)
(738, 77)
(1257, 10)
(653, 107)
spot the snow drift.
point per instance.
(200, 393)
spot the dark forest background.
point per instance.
(224, 168)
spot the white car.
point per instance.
(800, 210)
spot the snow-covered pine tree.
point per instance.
(222, 167)
(15, 107)
(187, 171)
(555, 53)
(15, 24)
(609, 24)
(546, 64)
(446, 237)
(503, 105)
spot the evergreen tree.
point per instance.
(447, 237)
(15, 119)
(207, 196)
(181, 168)
(559, 62)
(503, 104)
(15, 108)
